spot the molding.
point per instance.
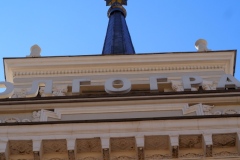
(57, 113)
(85, 65)
(186, 109)
(200, 109)
(43, 103)
(122, 129)
(45, 114)
(62, 72)
(120, 109)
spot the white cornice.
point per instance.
(115, 129)
(134, 101)
(62, 72)
(122, 64)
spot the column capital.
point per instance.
(140, 141)
(174, 140)
(3, 144)
(37, 145)
(208, 139)
(71, 144)
(105, 142)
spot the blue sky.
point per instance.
(78, 27)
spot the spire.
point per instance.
(118, 39)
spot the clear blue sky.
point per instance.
(78, 27)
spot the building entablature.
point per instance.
(146, 140)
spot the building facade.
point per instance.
(121, 105)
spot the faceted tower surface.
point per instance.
(118, 39)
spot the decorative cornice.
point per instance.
(157, 127)
(84, 65)
(116, 70)
(74, 102)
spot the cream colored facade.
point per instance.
(140, 125)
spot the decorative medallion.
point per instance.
(20, 147)
(209, 85)
(54, 146)
(19, 93)
(190, 141)
(11, 120)
(230, 111)
(224, 140)
(89, 145)
(156, 142)
(122, 144)
(36, 116)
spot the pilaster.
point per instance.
(37, 143)
(105, 141)
(238, 142)
(140, 153)
(71, 143)
(3, 146)
(36, 155)
(174, 145)
(140, 147)
(208, 144)
(71, 155)
(106, 154)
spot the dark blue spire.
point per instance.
(118, 39)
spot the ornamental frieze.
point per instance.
(190, 146)
(224, 140)
(156, 142)
(89, 145)
(123, 144)
(196, 109)
(190, 141)
(54, 146)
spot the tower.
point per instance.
(125, 107)
(118, 40)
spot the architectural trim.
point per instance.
(17, 74)
(27, 67)
(34, 104)
(186, 109)
(116, 129)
